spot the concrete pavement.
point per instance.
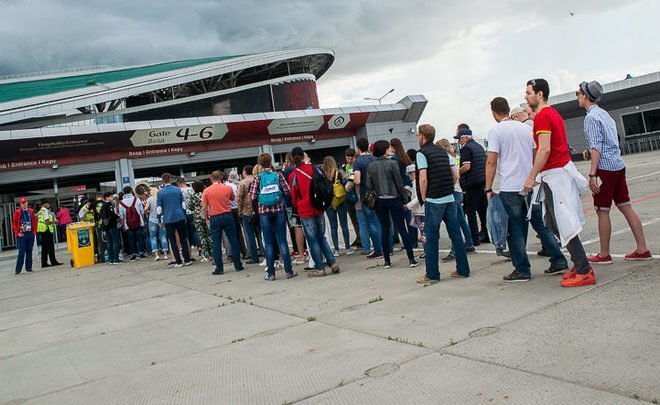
(145, 333)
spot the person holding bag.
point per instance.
(338, 206)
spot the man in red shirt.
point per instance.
(312, 219)
(217, 211)
(24, 225)
(560, 182)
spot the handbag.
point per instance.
(370, 199)
(338, 191)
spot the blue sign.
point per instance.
(126, 180)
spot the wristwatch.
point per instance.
(593, 175)
(490, 190)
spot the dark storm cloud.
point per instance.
(46, 35)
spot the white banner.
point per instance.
(295, 125)
(168, 136)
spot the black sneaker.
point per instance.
(450, 257)
(470, 249)
(133, 258)
(556, 269)
(413, 263)
(516, 277)
(217, 273)
(388, 265)
(542, 253)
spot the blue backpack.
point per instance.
(270, 193)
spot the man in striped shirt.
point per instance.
(602, 145)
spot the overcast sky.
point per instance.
(459, 54)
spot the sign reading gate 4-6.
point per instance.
(174, 135)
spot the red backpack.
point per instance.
(132, 215)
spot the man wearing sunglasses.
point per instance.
(607, 174)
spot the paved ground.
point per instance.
(144, 333)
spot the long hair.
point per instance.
(401, 154)
(329, 167)
(446, 145)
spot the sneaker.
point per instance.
(165, 257)
(456, 274)
(204, 260)
(634, 256)
(571, 274)
(178, 265)
(29, 271)
(157, 258)
(470, 249)
(316, 273)
(422, 256)
(580, 280)
(291, 275)
(350, 251)
(356, 243)
(543, 253)
(387, 265)
(262, 264)
(187, 263)
(133, 258)
(171, 263)
(503, 253)
(374, 255)
(556, 269)
(335, 268)
(425, 280)
(142, 257)
(217, 273)
(516, 277)
(597, 259)
(413, 263)
(298, 261)
(269, 277)
(449, 257)
(336, 253)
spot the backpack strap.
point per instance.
(307, 175)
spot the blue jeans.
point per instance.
(462, 221)
(112, 236)
(25, 244)
(250, 237)
(273, 225)
(136, 240)
(515, 206)
(498, 220)
(157, 234)
(317, 244)
(369, 229)
(219, 224)
(172, 229)
(332, 214)
(548, 239)
(392, 208)
(434, 215)
(412, 231)
(193, 236)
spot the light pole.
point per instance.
(380, 100)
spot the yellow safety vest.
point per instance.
(42, 216)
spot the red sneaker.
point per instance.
(598, 259)
(634, 256)
(580, 280)
(571, 274)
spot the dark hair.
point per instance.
(128, 190)
(362, 144)
(167, 178)
(216, 175)
(108, 194)
(412, 154)
(380, 148)
(198, 186)
(500, 106)
(248, 169)
(540, 85)
(180, 180)
(350, 152)
(266, 161)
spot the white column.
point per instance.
(124, 175)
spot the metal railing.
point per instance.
(640, 145)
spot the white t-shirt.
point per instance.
(513, 142)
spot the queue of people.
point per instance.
(526, 176)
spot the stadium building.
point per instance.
(66, 134)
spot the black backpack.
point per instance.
(321, 191)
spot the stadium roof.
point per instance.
(16, 90)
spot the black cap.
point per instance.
(297, 151)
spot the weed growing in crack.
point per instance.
(376, 299)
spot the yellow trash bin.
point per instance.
(80, 242)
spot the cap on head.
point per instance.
(297, 151)
(593, 90)
(22, 200)
(410, 168)
(463, 132)
(517, 110)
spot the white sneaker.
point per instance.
(298, 261)
(165, 257)
(204, 260)
(350, 251)
(263, 263)
(157, 258)
(187, 263)
(178, 265)
(336, 254)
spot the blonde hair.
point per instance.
(256, 170)
(329, 167)
(427, 131)
(446, 145)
